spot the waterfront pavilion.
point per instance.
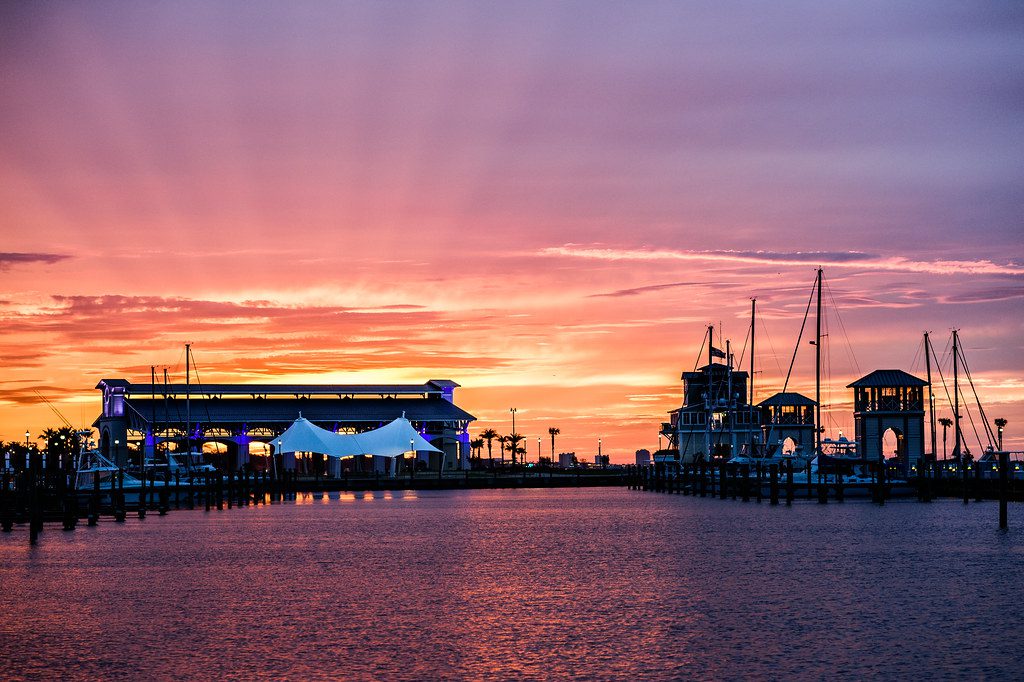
(234, 422)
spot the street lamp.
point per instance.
(599, 452)
(412, 449)
(276, 455)
(538, 450)
(28, 461)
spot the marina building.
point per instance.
(235, 423)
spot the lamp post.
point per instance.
(412, 449)
(538, 450)
(28, 461)
(276, 455)
(599, 452)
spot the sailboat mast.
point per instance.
(167, 410)
(188, 406)
(750, 425)
(728, 398)
(817, 371)
(710, 397)
(931, 391)
(152, 422)
(956, 393)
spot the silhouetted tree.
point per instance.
(511, 443)
(946, 423)
(490, 435)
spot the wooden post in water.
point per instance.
(839, 482)
(758, 494)
(745, 482)
(789, 483)
(34, 512)
(965, 488)
(69, 502)
(722, 492)
(1004, 475)
(206, 490)
(165, 493)
(94, 501)
(978, 491)
(120, 507)
(142, 491)
(773, 478)
(6, 519)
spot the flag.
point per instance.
(715, 353)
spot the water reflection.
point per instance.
(595, 584)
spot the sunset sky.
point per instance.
(545, 202)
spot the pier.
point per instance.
(978, 482)
(34, 497)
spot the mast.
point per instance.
(188, 406)
(931, 392)
(956, 394)
(817, 372)
(708, 403)
(167, 413)
(731, 414)
(750, 425)
(152, 422)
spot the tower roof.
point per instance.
(778, 399)
(887, 378)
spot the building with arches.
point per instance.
(787, 416)
(889, 400)
(246, 418)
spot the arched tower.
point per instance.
(890, 399)
(787, 415)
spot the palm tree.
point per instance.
(946, 423)
(489, 435)
(1000, 425)
(511, 442)
(477, 444)
(554, 431)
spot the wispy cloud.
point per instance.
(645, 289)
(8, 259)
(836, 259)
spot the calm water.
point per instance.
(593, 583)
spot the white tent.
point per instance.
(393, 439)
(390, 440)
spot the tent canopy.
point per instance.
(390, 440)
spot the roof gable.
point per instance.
(887, 378)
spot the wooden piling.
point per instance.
(120, 508)
(6, 518)
(773, 478)
(839, 482)
(789, 483)
(722, 492)
(745, 483)
(758, 494)
(142, 494)
(94, 501)
(1004, 475)
(965, 488)
(978, 491)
